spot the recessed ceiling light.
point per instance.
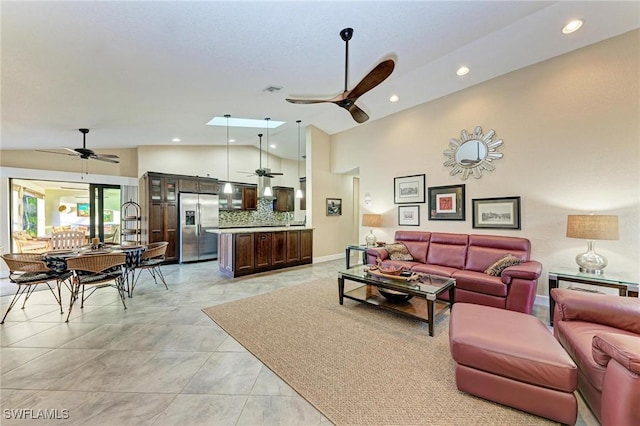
(175, 140)
(245, 122)
(572, 26)
(232, 140)
(462, 71)
(273, 145)
(394, 98)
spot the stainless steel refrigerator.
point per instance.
(198, 213)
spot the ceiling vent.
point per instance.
(273, 89)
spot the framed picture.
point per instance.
(408, 189)
(409, 215)
(447, 202)
(82, 209)
(496, 213)
(334, 206)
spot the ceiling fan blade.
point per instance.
(272, 174)
(108, 155)
(75, 154)
(371, 80)
(359, 115)
(71, 150)
(102, 158)
(308, 101)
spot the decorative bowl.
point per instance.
(394, 296)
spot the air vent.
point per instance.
(273, 89)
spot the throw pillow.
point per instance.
(502, 264)
(398, 251)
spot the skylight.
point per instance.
(244, 122)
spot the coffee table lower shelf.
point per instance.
(417, 307)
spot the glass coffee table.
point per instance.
(421, 293)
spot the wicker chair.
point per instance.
(28, 271)
(27, 244)
(96, 271)
(67, 240)
(152, 258)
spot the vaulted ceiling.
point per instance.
(143, 73)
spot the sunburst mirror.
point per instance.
(472, 153)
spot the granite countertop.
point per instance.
(258, 229)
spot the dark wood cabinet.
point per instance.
(283, 199)
(263, 249)
(278, 249)
(306, 245)
(243, 197)
(245, 253)
(199, 185)
(162, 212)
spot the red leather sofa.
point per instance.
(601, 333)
(465, 257)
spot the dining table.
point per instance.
(56, 260)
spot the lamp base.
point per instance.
(371, 239)
(591, 262)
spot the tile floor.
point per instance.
(160, 362)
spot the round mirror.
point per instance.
(472, 153)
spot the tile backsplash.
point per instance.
(263, 215)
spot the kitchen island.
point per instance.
(244, 251)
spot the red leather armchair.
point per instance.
(602, 335)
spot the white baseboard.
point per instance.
(328, 258)
(541, 300)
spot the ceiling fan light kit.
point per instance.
(348, 98)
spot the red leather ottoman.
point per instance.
(511, 358)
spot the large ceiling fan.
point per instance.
(260, 172)
(84, 152)
(348, 98)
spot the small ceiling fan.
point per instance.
(260, 172)
(348, 98)
(85, 153)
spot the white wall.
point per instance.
(571, 135)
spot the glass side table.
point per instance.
(357, 247)
(625, 285)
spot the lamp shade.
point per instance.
(372, 220)
(592, 227)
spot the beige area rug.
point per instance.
(356, 364)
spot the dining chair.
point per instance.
(151, 260)
(96, 271)
(67, 240)
(27, 271)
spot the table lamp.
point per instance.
(592, 227)
(372, 221)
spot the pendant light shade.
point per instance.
(267, 187)
(227, 186)
(299, 193)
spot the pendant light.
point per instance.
(227, 186)
(299, 191)
(267, 187)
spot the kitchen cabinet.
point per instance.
(243, 197)
(161, 205)
(283, 199)
(243, 252)
(199, 185)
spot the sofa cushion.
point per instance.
(427, 268)
(502, 264)
(622, 348)
(398, 251)
(448, 250)
(484, 250)
(480, 283)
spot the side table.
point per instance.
(357, 247)
(625, 286)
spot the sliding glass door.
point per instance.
(105, 212)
